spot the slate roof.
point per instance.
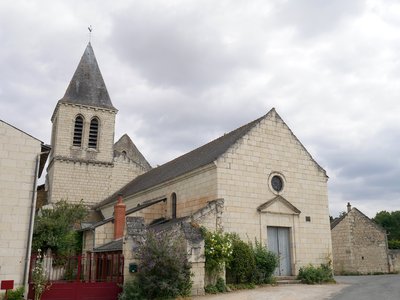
(87, 86)
(190, 161)
(132, 152)
(109, 247)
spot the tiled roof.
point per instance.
(190, 161)
(87, 86)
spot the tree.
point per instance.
(391, 222)
(54, 228)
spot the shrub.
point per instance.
(16, 294)
(241, 286)
(164, 270)
(131, 291)
(242, 265)
(312, 275)
(266, 263)
(394, 244)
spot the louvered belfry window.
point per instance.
(78, 131)
(93, 133)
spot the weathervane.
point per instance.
(90, 33)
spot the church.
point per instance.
(257, 180)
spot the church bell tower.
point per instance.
(81, 159)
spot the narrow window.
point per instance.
(93, 132)
(78, 130)
(173, 205)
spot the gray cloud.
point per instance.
(184, 72)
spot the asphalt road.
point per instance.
(379, 287)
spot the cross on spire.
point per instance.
(90, 32)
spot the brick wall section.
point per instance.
(359, 245)
(18, 153)
(243, 176)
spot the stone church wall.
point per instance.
(64, 120)
(18, 154)
(124, 171)
(76, 173)
(193, 191)
(244, 172)
(75, 181)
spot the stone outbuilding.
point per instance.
(22, 159)
(359, 244)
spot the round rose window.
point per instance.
(277, 183)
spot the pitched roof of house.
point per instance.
(190, 161)
(87, 86)
(336, 221)
(132, 152)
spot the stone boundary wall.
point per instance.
(394, 260)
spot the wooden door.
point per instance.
(279, 243)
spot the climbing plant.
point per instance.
(54, 228)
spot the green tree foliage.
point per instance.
(164, 270)
(242, 265)
(391, 222)
(54, 228)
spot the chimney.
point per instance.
(119, 218)
(348, 207)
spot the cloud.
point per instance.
(182, 73)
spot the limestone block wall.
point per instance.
(151, 213)
(18, 154)
(76, 173)
(244, 173)
(365, 245)
(124, 171)
(193, 191)
(104, 234)
(342, 247)
(63, 132)
(74, 181)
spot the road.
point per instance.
(379, 287)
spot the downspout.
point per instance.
(31, 222)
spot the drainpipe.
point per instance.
(31, 222)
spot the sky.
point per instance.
(182, 73)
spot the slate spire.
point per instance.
(87, 86)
